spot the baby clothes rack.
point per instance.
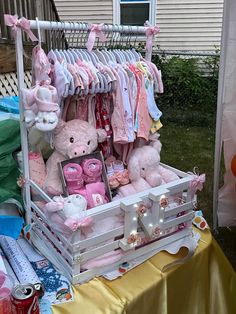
(68, 255)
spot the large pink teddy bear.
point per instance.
(71, 139)
(145, 170)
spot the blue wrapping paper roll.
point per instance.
(18, 261)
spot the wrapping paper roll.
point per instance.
(18, 261)
(8, 270)
(2, 265)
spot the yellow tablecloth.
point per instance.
(205, 284)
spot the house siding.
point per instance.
(189, 24)
(90, 11)
(193, 25)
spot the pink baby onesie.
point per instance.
(128, 114)
(143, 119)
(86, 67)
(41, 67)
(120, 132)
(77, 80)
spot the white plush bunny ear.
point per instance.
(27, 97)
(134, 168)
(155, 142)
(102, 135)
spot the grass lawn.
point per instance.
(186, 147)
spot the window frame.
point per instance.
(152, 10)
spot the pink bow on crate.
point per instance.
(95, 31)
(151, 31)
(75, 223)
(14, 22)
(197, 182)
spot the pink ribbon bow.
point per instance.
(151, 31)
(197, 183)
(95, 31)
(15, 23)
(75, 223)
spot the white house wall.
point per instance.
(185, 24)
(189, 24)
(90, 11)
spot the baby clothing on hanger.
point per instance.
(40, 66)
(128, 86)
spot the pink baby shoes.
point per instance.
(117, 174)
(73, 174)
(92, 170)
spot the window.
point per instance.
(134, 12)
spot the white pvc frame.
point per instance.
(49, 25)
(219, 116)
(47, 244)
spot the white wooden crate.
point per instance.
(160, 225)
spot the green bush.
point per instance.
(190, 89)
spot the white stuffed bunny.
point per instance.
(68, 212)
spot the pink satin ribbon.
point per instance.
(151, 31)
(95, 31)
(77, 223)
(15, 23)
(197, 183)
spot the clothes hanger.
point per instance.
(123, 55)
(128, 58)
(112, 59)
(71, 56)
(73, 53)
(87, 55)
(107, 55)
(52, 57)
(135, 54)
(65, 54)
(58, 56)
(100, 56)
(92, 57)
(39, 33)
(95, 57)
(85, 58)
(79, 55)
(118, 58)
(132, 57)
